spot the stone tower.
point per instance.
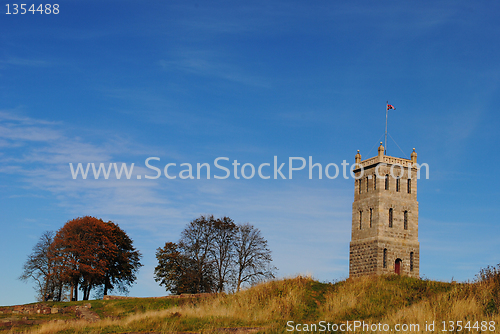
(384, 236)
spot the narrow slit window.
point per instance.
(387, 182)
(359, 186)
(374, 182)
(406, 220)
(411, 261)
(367, 184)
(371, 216)
(385, 258)
(360, 219)
(397, 184)
(390, 217)
(409, 186)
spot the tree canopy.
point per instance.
(40, 267)
(213, 255)
(85, 253)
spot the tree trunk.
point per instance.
(239, 282)
(106, 282)
(60, 292)
(76, 292)
(46, 287)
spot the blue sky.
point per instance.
(187, 82)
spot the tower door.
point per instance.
(397, 266)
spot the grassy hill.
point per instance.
(289, 304)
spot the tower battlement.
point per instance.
(384, 235)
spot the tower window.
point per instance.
(375, 181)
(397, 184)
(367, 184)
(359, 186)
(387, 182)
(360, 218)
(371, 216)
(411, 261)
(385, 258)
(406, 220)
(390, 217)
(409, 186)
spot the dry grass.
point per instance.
(391, 300)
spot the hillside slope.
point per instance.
(379, 303)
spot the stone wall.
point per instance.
(30, 309)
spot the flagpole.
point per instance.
(386, 112)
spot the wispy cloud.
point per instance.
(28, 133)
(14, 115)
(289, 214)
(25, 62)
(212, 65)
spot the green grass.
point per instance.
(123, 307)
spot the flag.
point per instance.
(389, 106)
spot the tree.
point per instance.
(223, 250)
(196, 243)
(122, 267)
(87, 252)
(212, 254)
(253, 258)
(82, 247)
(175, 270)
(39, 267)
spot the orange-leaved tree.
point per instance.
(90, 252)
(123, 266)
